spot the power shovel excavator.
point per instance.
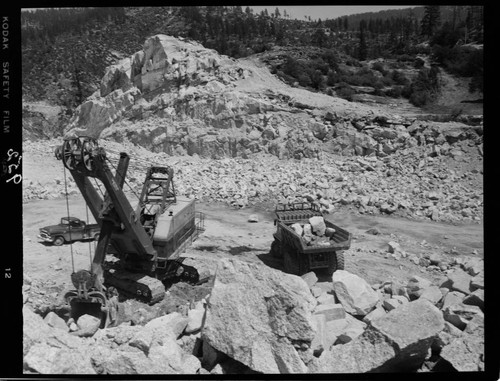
(145, 242)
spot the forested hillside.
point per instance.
(65, 51)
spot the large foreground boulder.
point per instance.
(411, 328)
(259, 316)
(48, 350)
(396, 341)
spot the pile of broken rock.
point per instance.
(260, 320)
(409, 183)
(314, 233)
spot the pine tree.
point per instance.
(363, 48)
(430, 20)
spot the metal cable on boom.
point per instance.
(90, 247)
(69, 221)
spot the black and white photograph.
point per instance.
(227, 190)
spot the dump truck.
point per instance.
(300, 255)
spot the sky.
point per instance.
(326, 11)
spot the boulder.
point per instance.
(50, 350)
(317, 291)
(460, 314)
(331, 311)
(411, 328)
(195, 320)
(369, 352)
(119, 361)
(390, 304)
(393, 247)
(326, 299)
(353, 329)
(167, 327)
(54, 321)
(318, 225)
(35, 330)
(255, 313)
(354, 293)
(465, 354)
(446, 336)
(253, 218)
(460, 281)
(451, 298)
(325, 286)
(120, 335)
(48, 359)
(167, 357)
(307, 234)
(319, 343)
(190, 364)
(477, 282)
(142, 340)
(310, 278)
(432, 294)
(377, 312)
(400, 298)
(298, 229)
(475, 325)
(88, 325)
(474, 266)
(416, 286)
(329, 232)
(475, 299)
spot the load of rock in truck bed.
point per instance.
(315, 233)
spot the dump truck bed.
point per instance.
(288, 215)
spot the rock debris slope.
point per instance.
(260, 320)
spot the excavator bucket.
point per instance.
(95, 305)
(86, 299)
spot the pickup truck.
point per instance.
(68, 230)
(299, 257)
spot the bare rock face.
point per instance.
(354, 293)
(256, 314)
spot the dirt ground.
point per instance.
(228, 233)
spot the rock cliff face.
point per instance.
(176, 96)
